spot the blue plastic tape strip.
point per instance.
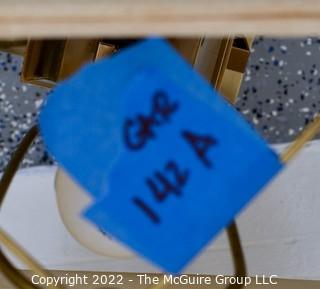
(169, 162)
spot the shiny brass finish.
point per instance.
(312, 130)
(104, 50)
(187, 47)
(232, 75)
(239, 54)
(15, 46)
(47, 62)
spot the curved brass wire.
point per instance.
(15, 276)
(25, 258)
(237, 254)
(306, 135)
(15, 161)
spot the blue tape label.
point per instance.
(182, 174)
(167, 161)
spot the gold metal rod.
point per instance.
(307, 135)
(24, 257)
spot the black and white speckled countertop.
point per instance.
(19, 104)
(281, 89)
(280, 94)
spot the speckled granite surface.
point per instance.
(19, 104)
(281, 89)
(279, 96)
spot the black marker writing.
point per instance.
(147, 210)
(139, 130)
(169, 182)
(161, 185)
(201, 145)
